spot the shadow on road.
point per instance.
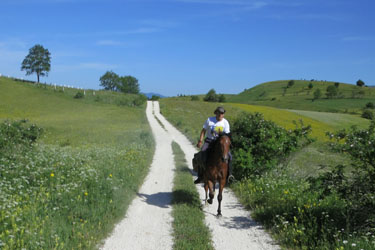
(161, 199)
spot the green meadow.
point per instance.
(282, 198)
(350, 98)
(67, 190)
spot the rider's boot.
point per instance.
(200, 176)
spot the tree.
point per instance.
(360, 83)
(110, 81)
(337, 84)
(37, 61)
(221, 98)
(317, 94)
(290, 83)
(129, 84)
(331, 91)
(211, 96)
(310, 86)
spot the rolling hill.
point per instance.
(349, 99)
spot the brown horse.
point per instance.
(217, 169)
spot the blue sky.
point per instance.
(190, 46)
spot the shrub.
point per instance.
(290, 83)
(79, 95)
(195, 98)
(221, 98)
(360, 83)
(331, 91)
(13, 133)
(154, 98)
(370, 105)
(317, 94)
(368, 114)
(259, 144)
(141, 99)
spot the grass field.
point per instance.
(189, 116)
(281, 199)
(350, 99)
(68, 190)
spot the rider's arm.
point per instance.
(201, 137)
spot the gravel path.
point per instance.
(147, 224)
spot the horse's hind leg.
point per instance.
(220, 195)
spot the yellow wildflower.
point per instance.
(86, 193)
(52, 175)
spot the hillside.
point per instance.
(350, 98)
(69, 189)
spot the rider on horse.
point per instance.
(213, 127)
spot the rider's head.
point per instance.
(219, 112)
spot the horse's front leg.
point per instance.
(220, 195)
(206, 190)
(212, 192)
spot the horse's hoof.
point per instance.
(219, 215)
(209, 201)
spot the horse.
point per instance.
(217, 169)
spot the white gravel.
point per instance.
(148, 222)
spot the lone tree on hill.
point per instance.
(110, 81)
(37, 61)
(360, 83)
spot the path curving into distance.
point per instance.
(148, 221)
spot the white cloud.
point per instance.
(108, 43)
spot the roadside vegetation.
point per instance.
(189, 229)
(309, 191)
(68, 172)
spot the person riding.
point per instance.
(213, 127)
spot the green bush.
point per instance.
(195, 98)
(368, 114)
(141, 99)
(79, 95)
(370, 105)
(258, 145)
(14, 133)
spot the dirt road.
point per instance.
(148, 222)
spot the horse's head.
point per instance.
(224, 142)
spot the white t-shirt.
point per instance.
(214, 127)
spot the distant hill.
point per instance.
(299, 96)
(149, 95)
